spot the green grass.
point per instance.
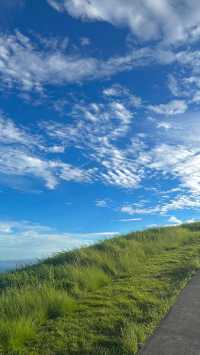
(105, 299)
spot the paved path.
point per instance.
(179, 332)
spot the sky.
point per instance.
(99, 120)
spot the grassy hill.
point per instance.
(104, 299)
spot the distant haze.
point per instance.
(7, 265)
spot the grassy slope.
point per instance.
(105, 299)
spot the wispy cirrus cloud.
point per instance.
(130, 220)
(179, 161)
(110, 159)
(119, 91)
(174, 153)
(101, 203)
(25, 154)
(187, 86)
(134, 210)
(171, 108)
(148, 20)
(30, 63)
(180, 202)
(17, 162)
(24, 64)
(113, 165)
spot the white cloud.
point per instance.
(174, 220)
(112, 165)
(165, 125)
(56, 149)
(187, 86)
(5, 227)
(130, 220)
(173, 107)
(85, 41)
(30, 64)
(181, 202)
(10, 133)
(119, 91)
(173, 85)
(126, 165)
(189, 58)
(117, 170)
(23, 154)
(108, 158)
(20, 163)
(24, 240)
(102, 203)
(17, 162)
(147, 19)
(132, 210)
(114, 90)
(174, 156)
(179, 161)
(24, 65)
(68, 172)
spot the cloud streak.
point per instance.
(147, 19)
(24, 154)
(29, 64)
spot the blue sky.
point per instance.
(99, 120)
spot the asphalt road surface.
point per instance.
(179, 332)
